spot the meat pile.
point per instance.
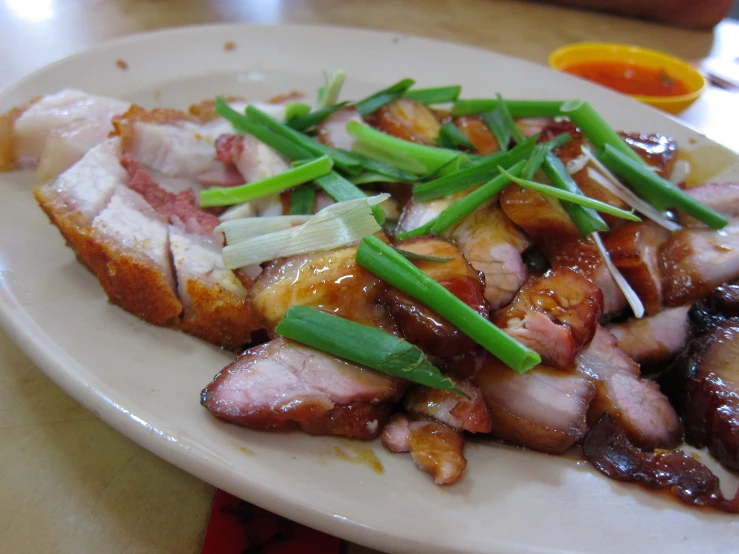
(120, 183)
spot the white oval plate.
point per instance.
(145, 381)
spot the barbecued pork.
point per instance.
(478, 133)
(450, 408)
(704, 385)
(695, 260)
(493, 245)
(279, 382)
(331, 281)
(634, 250)
(57, 130)
(555, 314)
(551, 230)
(635, 403)
(407, 119)
(610, 451)
(435, 448)
(544, 409)
(653, 340)
(420, 325)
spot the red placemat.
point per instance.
(237, 527)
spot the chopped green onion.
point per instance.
(436, 95)
(302, 200)
(482, 170)
(463, 207)
(451, 137)
(647, 183)
(362, 345)
(579, 199)
(242, 124)
(540, 153)
(497, 123)
(585, 219)
(303, 122)
(595, 127)
(403, 154)
(341, 159)
(412, 256)
(329, 93)
(385, 168)
(244, 228)
(227, 196)
(369, 177)
(392, 267)
(340, 190)
(296, 109)
(334, 226)
(518, 108)
(385, 96)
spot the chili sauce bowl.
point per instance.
(643, 58)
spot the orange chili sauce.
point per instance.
(629, 78)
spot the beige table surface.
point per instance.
(71, 484)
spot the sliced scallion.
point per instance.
(631, 297)
(585, 219)
(403, 154)
(579, 199)
(480, 171)
(227, 196)
(496, 122)
(303, 122)
(362, 345)
(244, 228)
(334, 226)
(328, 94)
(296, 109)
(412, 256)
(377, 100)
(302, 200)
(341, 159)
(518, 108)
(451, 137)
(393, 268)
(650, 185)
(436, 95)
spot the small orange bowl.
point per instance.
(584, 52)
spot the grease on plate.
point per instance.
(360, 455)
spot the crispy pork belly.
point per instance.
(608, 448)
(635, 403)
(493, 245)
(544, 409)
(79, 194)
(407, 119)
(435, 448)
(454, 410)
(214, 300)
(8, 137)
(332, 130)
(128, 249)
(420, 325)
(478, 133)
(634, 250)
(550, 228)
(704, 385)
(60, 128)
(555, 314)
(281, 381)
(656, 339)
(331, 281)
